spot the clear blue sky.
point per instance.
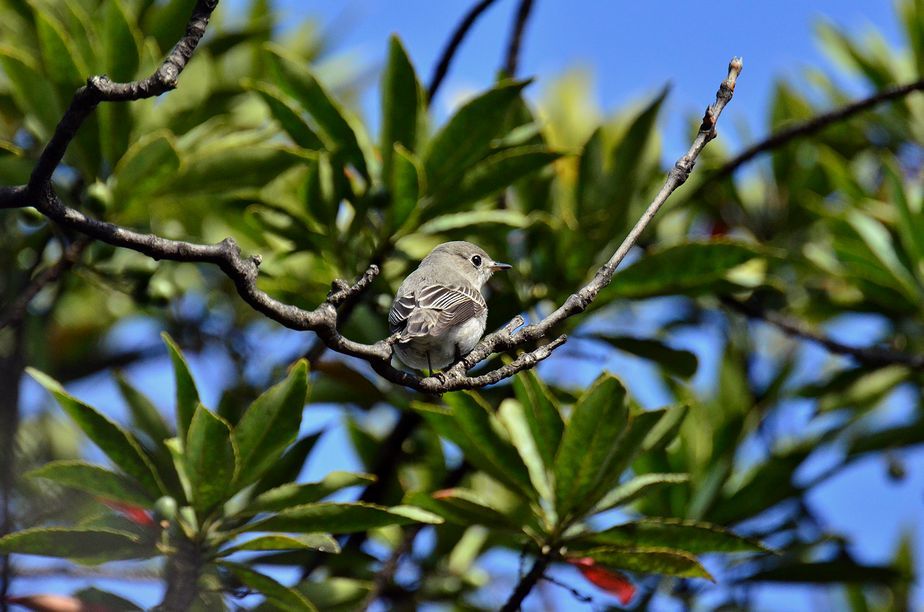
(632, 49)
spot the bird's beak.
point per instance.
(500, 266)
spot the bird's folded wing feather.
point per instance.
(434, 309)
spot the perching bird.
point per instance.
(439, 310)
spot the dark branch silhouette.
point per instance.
(512, 57)
(449, 52)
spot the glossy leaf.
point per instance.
(145, 415)
(403, 103)
(590, 437)
(284, 597)
(289, 116)
(120, 446)
(637, 488)
(85, 545)
(187, 396)
(270, 424)
(543, 414)
(466, 136)
(407, 186)
(289, 466)
(690, 536)
(341, 518)
(93, 479)
(311, 541)
(650, 560)
(211, 458)
(297, 494)
(512, 416)
(463, 507)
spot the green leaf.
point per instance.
(637, 488)
(289, 465)
(270, 424)
(233, 168)
(332, 517)
(311, 541)
(335, 593)
(94, 598)
(590, 438)
(297, 494)
(462, 507)
(120, 446)
(289, 116)
(147, 164)
(691, 268)
(145, 416)
(338, 129)
(465, 138)
(95, 480)
(407, 185)
(665, 430)
(85, 545)
(403, 107)
(473, 218)
(543, 414)
(34, 94)
(494, 173)
(472, 427)
(827, 572)
(690, 536)
(650, 560)
(910, 222)
(678, 362)
(58, 56)
(512, 416)
(120, 41)
(187, 396)
(285, 597)
(640, 425)
(211, 459)
(881, 245)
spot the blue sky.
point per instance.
(631, 49)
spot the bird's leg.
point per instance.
(429, 365)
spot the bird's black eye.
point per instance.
(476, 259)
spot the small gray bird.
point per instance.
(439, 309)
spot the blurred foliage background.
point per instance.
(262, 141)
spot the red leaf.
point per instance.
(605, 578)
(135, 514)
(443, 493)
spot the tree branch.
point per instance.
(323, 320)
(527, 582)
(449, 51)
(813, 125)
(865, 355)
(512, 58)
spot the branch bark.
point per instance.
(526, 583)
(512, 57)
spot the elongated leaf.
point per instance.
(691, 268)
(666, 429)
(466, 136)
(289, 465)
(473, 218)
(543, 414)
(187, 396)
(690, 536)
(513, 417)
(880, 244)
(58, 56)
(463, 507)
(120, 446)
(95, 480)
(338, 129)
(650, 560)
(120, 41)
(494, 173)
(473, 426)
(407, 186)
(630, 444)
(86, 545)
(233, 168)
(145, 166)
(403, 103)
(287, 113)
(284, 597)
(211, 459)
(311, 541)
(910, 223)
(637, 488)
(826, 572)
(590, 438)
(678, 362)
(335, 593)
(341, 518)
(145, 415)
(297, 494)
(270, 424)
(34, 94)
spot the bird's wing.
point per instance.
(434, 309)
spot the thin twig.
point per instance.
(512, 57)
(813, 125)
(17, 309)
(866, 355)
(527, 582)
(581, 597)
(449, 52)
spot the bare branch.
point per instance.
(506, 339)
(814, 125)
(512, 58)
(527, 582)
(449, 52)
(865, 355)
